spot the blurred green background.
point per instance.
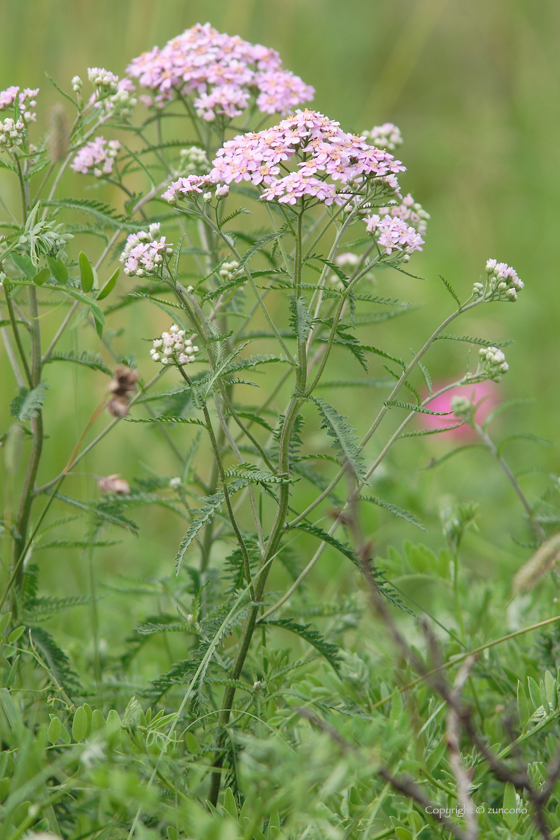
(474, 88)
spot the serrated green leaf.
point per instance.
(258, 246)
(204, 515)
(483, 342)
(343, 434)
(54, 658)
(308, 633)
(396, 510)
(168, 420)
(451, 290)
(324, 536)
(27, 404)
(100, 211)
(417, 408)
(300, 319)
(86, 358)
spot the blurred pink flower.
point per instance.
(487, 392)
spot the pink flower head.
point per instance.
(333, 167)
(97, 157)
(485, 393)
(186, 186)
(229, 100)
(24, 101)
(144, 253)
(203, 61)
(393, 234)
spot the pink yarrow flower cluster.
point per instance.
(223, 71)
(97, 157)
(394, 234)
(410, 212)
(23, 103)
(26, 101)
(144, 253)
(320, 148)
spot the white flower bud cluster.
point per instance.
(503, 282)
(12, 132)
(122, 101)
(461, 407)
(77, 84)
(193, 161)
(174, 348)
(143, 253)
(103, 80)
(228, 271)
(494, 362)
(386, 136)
(23, 102)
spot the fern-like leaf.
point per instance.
(396, 510)
(103, 213)
(86, 358)
(483, 342)
(300, 319)
(27, 404)
(451, 290)
(308, 633)
(39, 609)
(324, 536)
(55, 659)
(203, 515)
(418, 408)
(343, 434)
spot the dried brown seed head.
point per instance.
(113, 484)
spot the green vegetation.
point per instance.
(255, 592)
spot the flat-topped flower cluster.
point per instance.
(333, 167)
(144, 253)
(174, 346)
(97, 157)
(226, 73)
(22, 103)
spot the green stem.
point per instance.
(271, 549)
(27, 492)
(513, 481)
(17, 335)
